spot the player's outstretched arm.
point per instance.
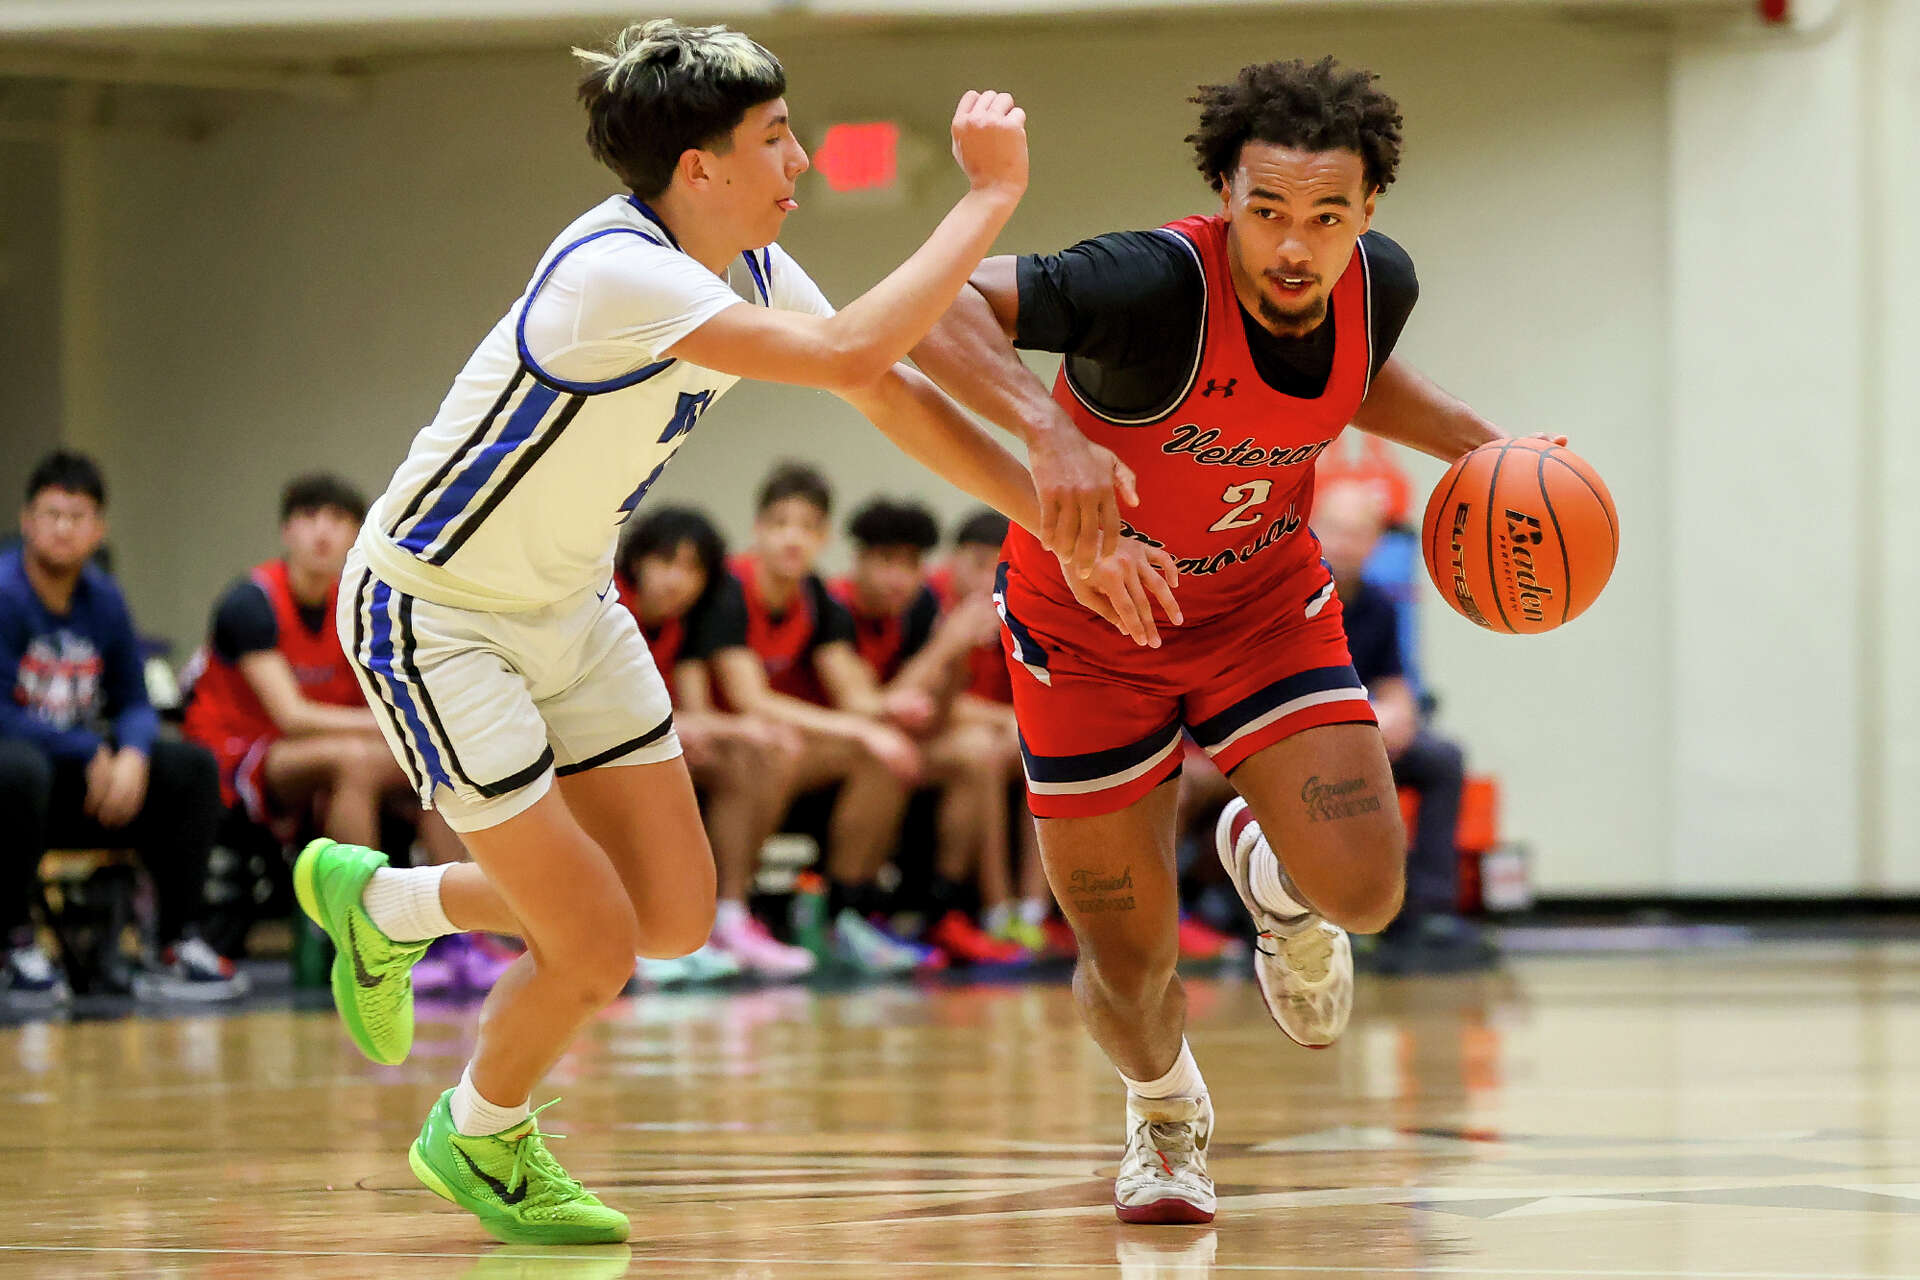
(933, 431)
(857, 345)
(970, 354)
(1406, 407)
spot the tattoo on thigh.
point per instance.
(1093, 893)
(1331, 800)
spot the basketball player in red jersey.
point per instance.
(1217, 357)
(275, 699)
(916, 649)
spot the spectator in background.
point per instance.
(919, 656)
(965, 586)
(797, 665)
(1429, 933)
(81, 762)
(276, 702)
(672, 576)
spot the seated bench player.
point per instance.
(919, 654)
(82, 761)
(795, 663)
(964, 583)
(672, 576)
(275, 701)
(1429, 934)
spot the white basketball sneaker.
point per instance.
(1304, 965)
(1163, 1174)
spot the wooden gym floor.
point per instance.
(1748, 1113)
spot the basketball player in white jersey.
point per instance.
(478, 605)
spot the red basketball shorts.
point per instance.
(243, 763)
(1101, 718)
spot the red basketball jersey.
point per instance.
(784, 642)
(1226, 475)
(225, 714)
(879, 638)
(664, 641)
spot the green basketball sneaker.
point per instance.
(372, 982)
(511, 1182)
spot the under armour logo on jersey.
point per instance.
(1213, 385)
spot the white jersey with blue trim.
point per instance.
(513, 496)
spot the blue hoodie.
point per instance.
(66, 679)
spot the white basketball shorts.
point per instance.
(483, 709)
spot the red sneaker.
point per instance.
(1199, 942)
(967, 943)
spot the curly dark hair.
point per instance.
(984, 528)
(662, 532)
(885, 523)
(1320, 106)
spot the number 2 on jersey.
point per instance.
(1246, 499)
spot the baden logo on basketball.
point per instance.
(1529, 594)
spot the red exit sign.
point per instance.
(860, 157)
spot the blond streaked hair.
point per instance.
(662, 88)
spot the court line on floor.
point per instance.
(1277, 1268)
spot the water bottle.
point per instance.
(807, 913)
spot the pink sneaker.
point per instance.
(438, 971)
(759, 952)
(482, 960)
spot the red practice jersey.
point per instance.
(887, 641)
(225, 714)
(664, 641)
(785, 642)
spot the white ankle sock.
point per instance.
(729, 914)
(405, 904)
(997, 917)
(1271, 886)
(1182, 1080)
(475, 1117)
(1035, 910)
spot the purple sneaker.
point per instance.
(438, 971)
(482, 959)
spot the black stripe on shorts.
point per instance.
(648, 738)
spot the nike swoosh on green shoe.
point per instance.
(372, 974)
(511, 1182)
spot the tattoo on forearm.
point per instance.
(1093, 893)
(1331, 800)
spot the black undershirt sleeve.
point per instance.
(243, 622)
(718, 622)
(1116, 299)
(1394, 289)
(922, 615)
(834, 620)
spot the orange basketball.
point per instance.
(1520, 536)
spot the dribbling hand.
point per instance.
(990, 141)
